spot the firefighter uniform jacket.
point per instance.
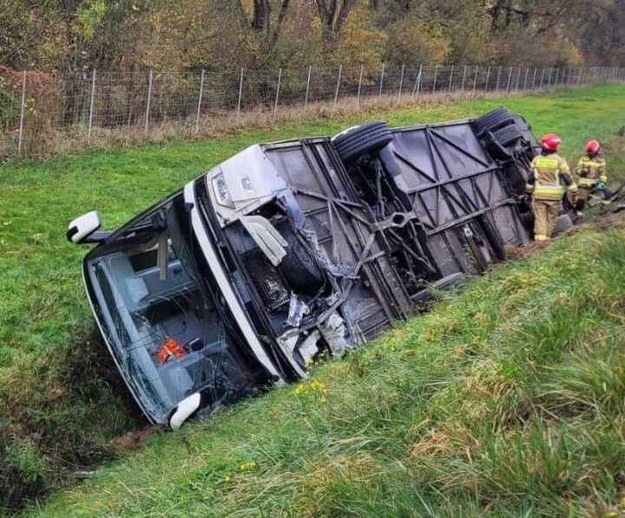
(550, 178)
(591, 170)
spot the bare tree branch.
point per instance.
(284, 6)
(343, 14)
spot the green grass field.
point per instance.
(507, 398)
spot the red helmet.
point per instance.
(551, 142)
(593, 147)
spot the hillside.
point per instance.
(439, 405)
(507, 399)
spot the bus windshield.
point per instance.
(160, 319)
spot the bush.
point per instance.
(413, 42)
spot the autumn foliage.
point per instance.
(188, 35)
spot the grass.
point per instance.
(428, 417)
(506, 399)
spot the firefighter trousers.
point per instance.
(545, 216)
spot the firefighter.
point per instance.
(592, 174)
(549, 180)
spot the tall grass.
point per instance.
(508, 399)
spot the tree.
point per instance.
(261, 20)
(333, 15)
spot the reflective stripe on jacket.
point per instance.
(591, 170)
(550, 177)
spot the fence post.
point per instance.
(518, 80)
(417, 82)
(381, 80)
(550, 76)
(338, 84)
(275, 104)
(498, 78)
(487, 79)
(509, 81)
(22, 103)
(451, 78)
(199, 102)
(360, 82)
(401, 80)
(435, 78)
(527, 73)
(477, 71)
(579, 76)
(542, 79)
(240, 96)
(147, 104)
(307, 86)
(464, 77)
(91, 103)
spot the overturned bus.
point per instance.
(296, 249)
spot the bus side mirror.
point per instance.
(80, 229)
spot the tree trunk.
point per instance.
(331, 23)
(261, 22)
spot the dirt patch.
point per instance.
(516, 252)
(134, 439)
(601, 224)
(605, 222)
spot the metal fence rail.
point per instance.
(39, 112)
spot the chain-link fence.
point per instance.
(42, 112)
